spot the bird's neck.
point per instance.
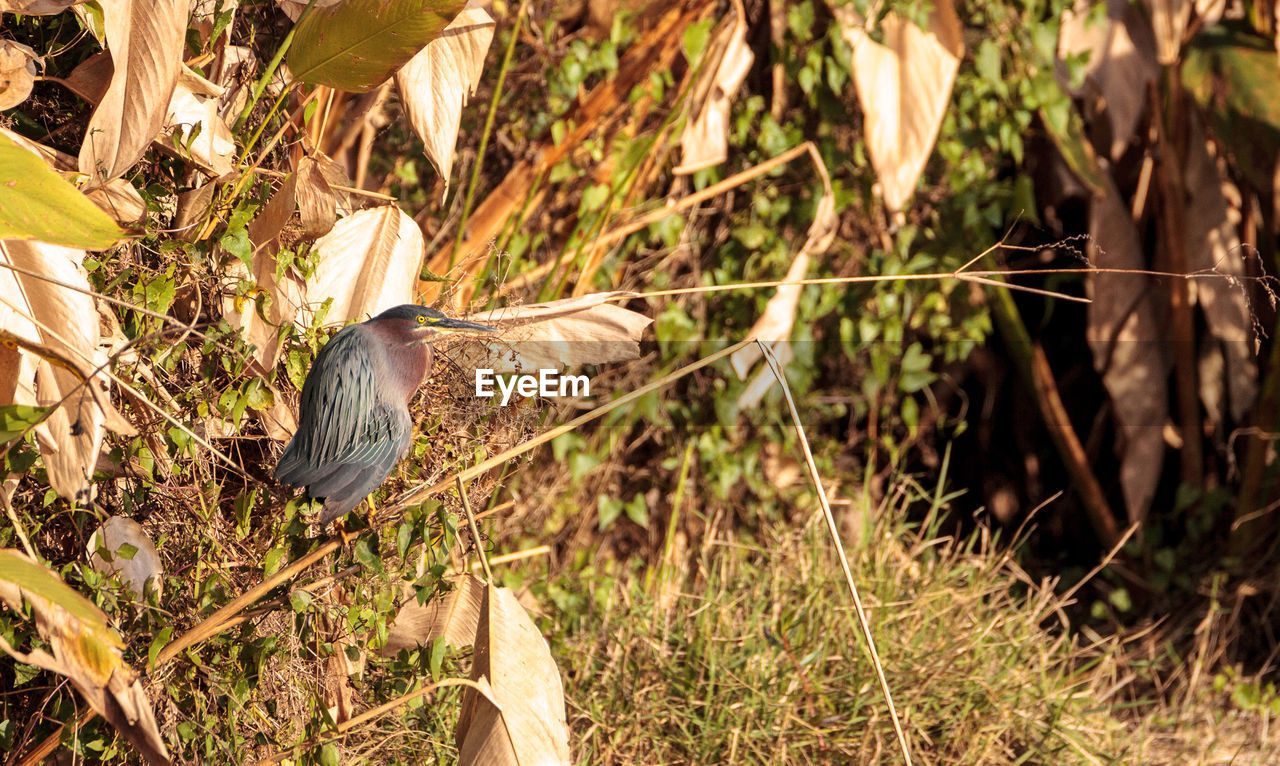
(407, 365)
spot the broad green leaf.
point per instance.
(357, 45)
(37, 203)
(16, 418)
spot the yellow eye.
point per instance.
(421, 319)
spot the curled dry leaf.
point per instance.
(521, 720)
(234, 70)
(368, 263)
(17, 73)
(1122, 62)
(904, 85)
(437, 82)
(455, 617)
(121, 546)
(1126, 339)
(195, 129)
(705, 141)
(565, 333)
(145, 39)
(1214, 246)
(84, 649)
(57, 332)
(317, 204)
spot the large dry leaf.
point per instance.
(1169, 21)
(1213, 245)
(17, 73)
(705, 140)
(1122, 62)
(84, 649)
(1127, 341)
(60, 326)
(317, 204)
(455, 617)
(368, 263)
(551, 336)
(121, 546)
(904, 86)
(145, 39)
(527, 725)
(437, 82)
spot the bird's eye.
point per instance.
(422, 320)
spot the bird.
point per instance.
(353, 420)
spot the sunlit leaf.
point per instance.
(705, 141)
(36, 203)
(129, 552)
(17, 73)
(358, 44)
(368, 263)
(453, 617)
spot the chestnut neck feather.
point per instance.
(407, 358)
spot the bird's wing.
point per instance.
(343, 427)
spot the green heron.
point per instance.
(353, 423)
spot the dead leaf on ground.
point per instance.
(705, 140)
(904, 86)
(121, 546)
(145, 39)
(512, 661)
(1213, 245)
(455, 617)
(437, 82)
(565, 333)
(84, 649)
(1127, 341)
(1122, 62)
(17, 73)
(367, 264)
(60, 327)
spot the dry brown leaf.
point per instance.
(1214, 245)
(435, 84)
(527, 724)
(117, 198)
(17, 73)
(1127, 341)
(145, 39)
(705, 140)
(1169, 22)
(235, 69)
(454, 617)
(139, 568)
(565, 333)
(61, 327)
(1122, 62)
(84, 650)
(904, 86)
(317, 204)
(294, 8)
(368, 263)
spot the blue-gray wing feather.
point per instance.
(348, 438)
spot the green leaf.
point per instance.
(37, 203)
(436, 660)
(158, 643)
(357, 45)
(367, 555)
(16, 418)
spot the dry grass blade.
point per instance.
(145, 38)
(834, 529)
(437, 82)
(84, 649)
(522, 718)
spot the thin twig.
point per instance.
(475, 531)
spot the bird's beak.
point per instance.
(458, 325)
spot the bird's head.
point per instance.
(424, 323)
